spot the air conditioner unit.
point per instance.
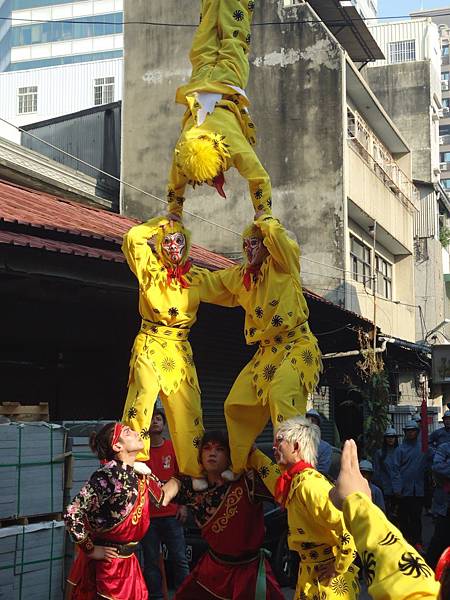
(441, 140)
(444, 85)
(443, 166)
(445, 111)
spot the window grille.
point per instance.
(27, 99)
(103, 90)
(404, 51)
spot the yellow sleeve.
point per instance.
(393, 569)
(282, 249)
(221, 287)
(136, 249)
(249, 166)
(175, 190)
(314, 495)
(267, 469)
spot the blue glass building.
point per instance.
(70, 32)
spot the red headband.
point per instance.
(443, 564)
(118, 427)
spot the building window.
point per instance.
(445, 102)
(103, 90)
(445, 183)
(27, 99)
(360, 262)
(384, 277)
(444, 50)
(445, 76)
(445, 157)
(404, 51)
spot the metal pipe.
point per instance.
(356, 352)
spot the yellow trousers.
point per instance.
(219, 53)
(247, 413)
(182, 408)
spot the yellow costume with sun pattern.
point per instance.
(286, 367)
(161, 360)
(316, 530)
(220, 71)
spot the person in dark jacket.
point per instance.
(383, 462)
(441, 504)
(325, 451)
(408, 483)
(366, 468)
(441, 435)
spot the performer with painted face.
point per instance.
(217, 132)
(161, 361)
(285, 368)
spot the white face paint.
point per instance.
(173, 246)
(254, 250)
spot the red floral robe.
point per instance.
(232, 523)
(113, 507)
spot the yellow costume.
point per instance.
(394, 570)
(217, 106)
(161, 360)
(276, 382)
(316, 530)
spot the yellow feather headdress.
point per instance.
(202, 158)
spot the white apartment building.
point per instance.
(40, 94)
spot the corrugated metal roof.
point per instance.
(45, 212)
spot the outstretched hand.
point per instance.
(350, 479)
(170, 489)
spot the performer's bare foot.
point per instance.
(199, 484)
(228, 475)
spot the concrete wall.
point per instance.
(430, 292)
(296, 89)
(406, 91)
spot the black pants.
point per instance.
(410, 518)
(440, 539)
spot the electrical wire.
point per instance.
(337, 22)
(125, 183)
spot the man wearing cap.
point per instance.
(441, 435)
(325, 451)
(366, 468)
(383, 461)
(166, 522)
(408, 483)
(441, 504)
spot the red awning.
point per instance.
(45, 213)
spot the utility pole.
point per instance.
(373, 232)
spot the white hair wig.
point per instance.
(305, 433)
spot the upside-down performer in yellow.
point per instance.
(316, 529)
(217, 132)
(286, 367)
(161, 361)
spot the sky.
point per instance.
(395, 8)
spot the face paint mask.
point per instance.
(173, 246)
(252, 248)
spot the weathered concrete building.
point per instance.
(338, 164)
(408, 84)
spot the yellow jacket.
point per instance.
(232, 122)
(313, 520)
(394, 570)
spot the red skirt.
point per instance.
(211, 579)
(118, 579)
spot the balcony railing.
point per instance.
(380, 161)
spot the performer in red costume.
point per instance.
(109, 516)
(231, 519)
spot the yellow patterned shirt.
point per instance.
(316, 529)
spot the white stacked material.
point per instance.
(31, 469)
(31, 561)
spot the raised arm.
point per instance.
(176, 188)
(249, 166)
(136, 249)
(394, 570)
(284, 251)
(266, 468)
